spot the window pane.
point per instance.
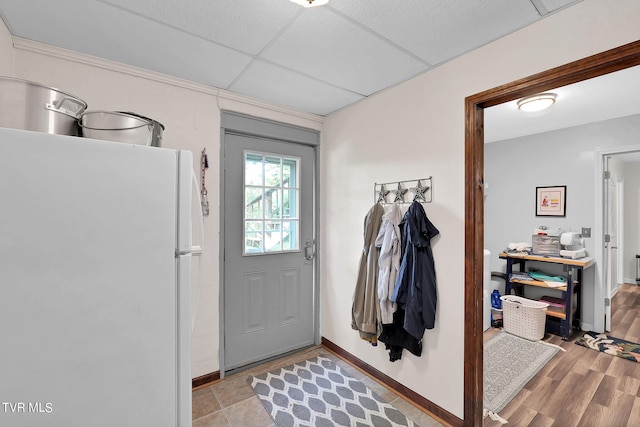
(290, 204)
(272, 172)
(272, 236)
(290, 235)
(289, 178)
(253, 169)
(273, 203)
(253, 203)
(253, 240)
(271, 193)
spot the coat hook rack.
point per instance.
(413, 190)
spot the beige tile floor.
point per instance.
(231, 402)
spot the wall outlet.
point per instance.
(586, 232)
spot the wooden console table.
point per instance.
(557, 323)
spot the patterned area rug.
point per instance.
(509, 363)
(316, 392)
(610, 345)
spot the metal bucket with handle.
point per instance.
(31, 106)
(121, 127)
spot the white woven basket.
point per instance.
(524, 317)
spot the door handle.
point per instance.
(309, 251)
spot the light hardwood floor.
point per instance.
(583, 387)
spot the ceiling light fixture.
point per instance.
(310, 3)
(538, 102)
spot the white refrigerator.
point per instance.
(95, 283)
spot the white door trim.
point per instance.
(598, 230)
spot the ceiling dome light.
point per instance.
(310, 3)
(538, 102)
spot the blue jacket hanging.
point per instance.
(416, 282)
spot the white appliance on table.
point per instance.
(95, 282)
(572, 245)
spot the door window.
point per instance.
(271, 198)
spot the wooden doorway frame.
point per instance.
(593, 66)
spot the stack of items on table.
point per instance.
(550, 280)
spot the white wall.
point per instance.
(515, 167)
(631, 219)
(415, 130)
(191, 115)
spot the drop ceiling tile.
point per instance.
(280, 86)
(104, 31)
(324, 45)
(335, 49)
(246, 25)
(439, 30)
(552, 5)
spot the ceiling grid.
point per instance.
(316, 60)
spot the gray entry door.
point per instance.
(268, 248)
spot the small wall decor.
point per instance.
(204, 165)
(418, 190)
(551, 201)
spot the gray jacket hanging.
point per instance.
(365, 311)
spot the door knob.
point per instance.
(309, 252)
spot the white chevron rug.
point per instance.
(316, 392)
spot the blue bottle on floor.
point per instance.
(496, 304)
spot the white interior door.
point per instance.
(610, 240)
(620, 232)
(268, 248)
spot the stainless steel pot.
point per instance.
(157, 131)
(31, 106)
(121, 127)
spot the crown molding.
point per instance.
(94, 61)
(254, 102)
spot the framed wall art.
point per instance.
(551, 201)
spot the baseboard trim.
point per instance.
(437, 411)
(205, 379)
